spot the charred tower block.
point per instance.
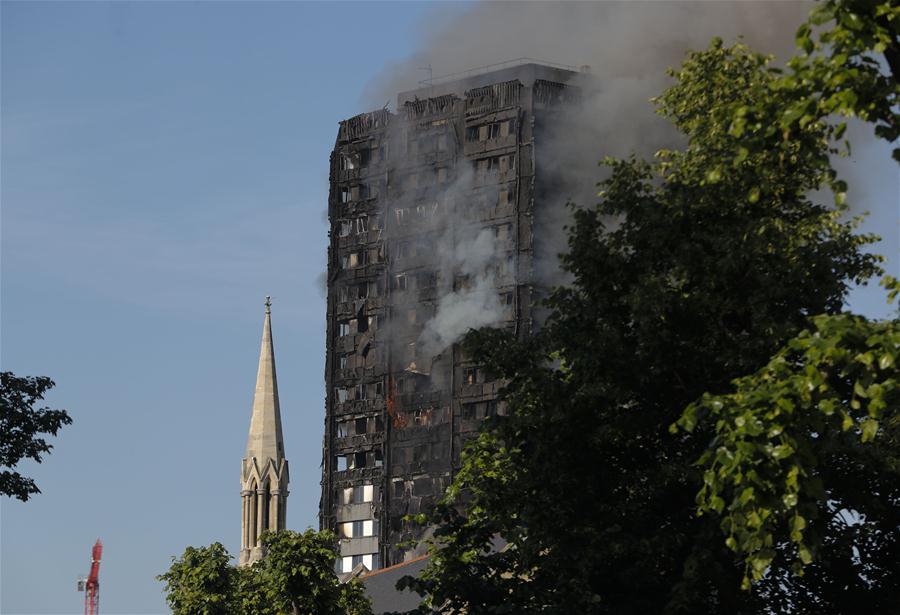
(432, 230)
(264, 470)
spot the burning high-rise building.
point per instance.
(432, 213)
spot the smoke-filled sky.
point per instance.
(164, 167)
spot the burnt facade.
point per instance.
(432, 230)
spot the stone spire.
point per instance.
(264, 470)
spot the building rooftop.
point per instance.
(526, 70)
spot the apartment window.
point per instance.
(401, 281)
(426, 279)
(347, 162)
(472, 375)
(509, 266)
(341, 463)
(493, 131)
(360, 391)
(359, 494)
(362, 224)
(345, 194)
(401, 214)
(363, 493)
(489, 165)
(506, 298)
(503, 231)
(365, 157)
(357, 460)
(341, 394)
(370, 561)
(442, 143)
(361, 425)
(402, 249)
(344, 329)
(472, 133)
(346, 228)
(343, 429)
(373, 322)
(379, 392)
(342, 361)
(504, 128)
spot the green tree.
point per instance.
(20, 423)
(299, 572)
(201, 582)
(689, 273)
(296, 577)
(805, 467)
(844, 46)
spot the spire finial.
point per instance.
(268, 304)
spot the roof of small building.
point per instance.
(381, 586)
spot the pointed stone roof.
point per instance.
(264, 441)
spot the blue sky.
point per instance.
(164, 167)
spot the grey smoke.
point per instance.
(629, 47)
(471, 307)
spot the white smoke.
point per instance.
(476, 304)
(628, 45)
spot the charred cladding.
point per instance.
(431, 215)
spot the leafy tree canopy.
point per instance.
(201, 582)
(844, 46)
(805, 465)
(20, 423)
(296, 577)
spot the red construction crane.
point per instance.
(91, 585)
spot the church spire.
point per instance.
(264, 440)
(264, 472)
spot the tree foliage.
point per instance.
(201, 582)
(691, 271)
(805, 464)
(20, 423)
(844, 46)
(296, 577)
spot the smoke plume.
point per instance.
(629, 46)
